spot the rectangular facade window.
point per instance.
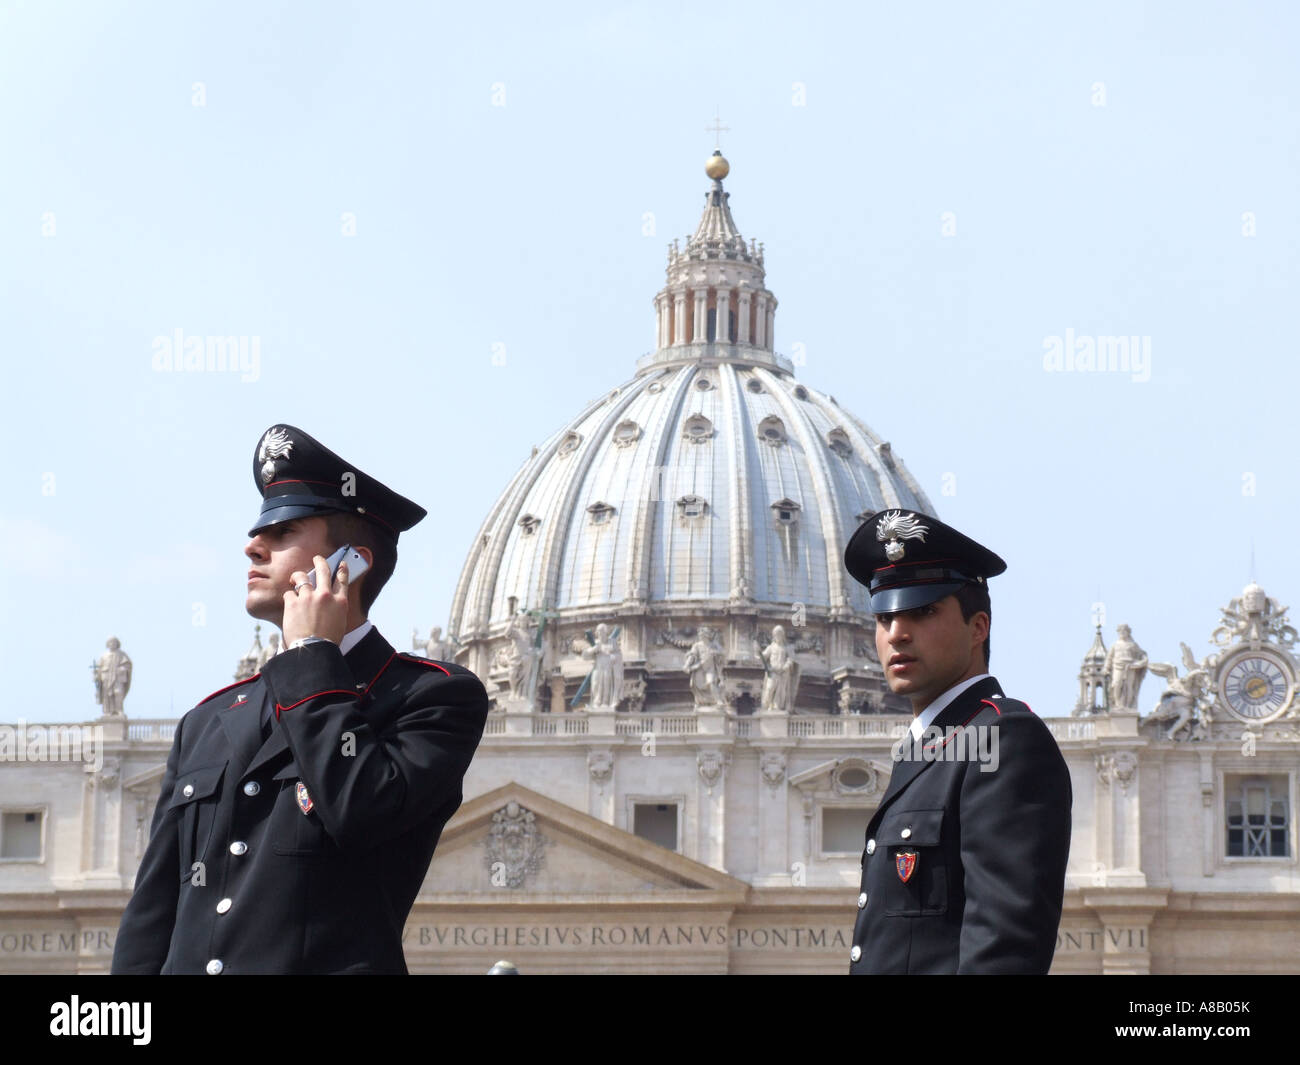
(20, 835)
(844, 829)
(656, 822)
(1257, 817)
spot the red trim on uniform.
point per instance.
(933, 747)
(913, 584)
(314, 695)
(423, 662)
(923, 562)
(337, 691)
(299, 480)
(227, 688)
(380, 673)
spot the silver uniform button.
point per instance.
(854, 955)
(871, 846)
(215, 966)
(223, 906)
(238, 847)
(906, 833)
(862, 900)
(252, 787)
(188, 790)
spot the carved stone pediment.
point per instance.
(584, 856)
(851, 776)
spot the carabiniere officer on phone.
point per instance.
(300, 808)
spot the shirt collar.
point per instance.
(926, 717)
(355, 636)
(350, 640)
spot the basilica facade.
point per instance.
(690, 727)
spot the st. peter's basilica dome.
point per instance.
(710, 486)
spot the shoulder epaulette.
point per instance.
(227, 688)
(1003, 703)
(424, 662)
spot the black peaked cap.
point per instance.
(908, 559)
(298, 477)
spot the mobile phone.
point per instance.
(357, 565)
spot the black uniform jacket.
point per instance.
(964, 870)
(302, 853)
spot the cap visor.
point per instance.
(910, 596)
(278, 515)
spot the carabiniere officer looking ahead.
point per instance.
(964, 865)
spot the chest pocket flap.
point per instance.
(195, 816)
(913, 828)
(195, 784)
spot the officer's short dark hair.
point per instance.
(973, 598)
(351, 529)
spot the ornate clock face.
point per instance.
(1257, 687)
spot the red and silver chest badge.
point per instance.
(904, 862)
(304, 798)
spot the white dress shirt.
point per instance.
(925, 718)
(355, 636)
(349, 641)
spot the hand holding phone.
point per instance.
(357, 564)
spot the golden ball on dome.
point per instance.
(717, 167)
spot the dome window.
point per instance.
(692, 506)
(654, 388)
(838, 441)
(600, 513)
(697, 429)
(771, 430)
(528, 523)
(570, 443)
(754, 385)
(626, 433)
(800, 392)
(703, 384)
(786, 512)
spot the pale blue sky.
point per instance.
(522, 225)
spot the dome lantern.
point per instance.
(715, 303)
